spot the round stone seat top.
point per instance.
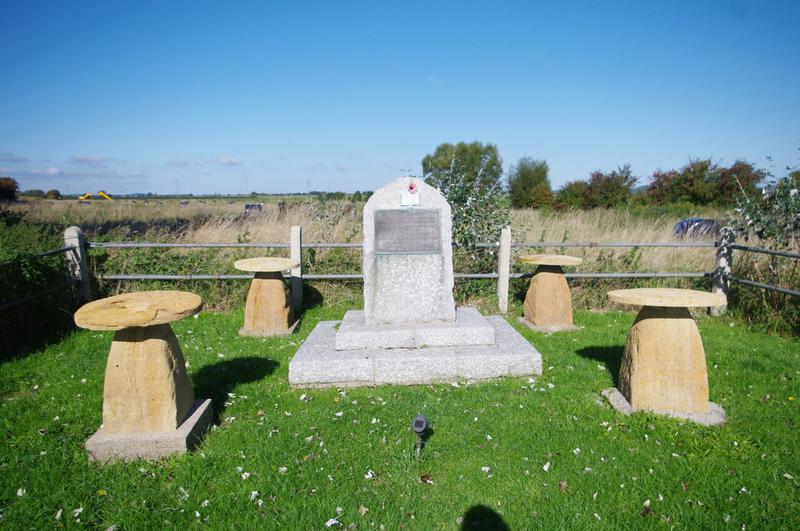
(669, 297)
(551, 259)
(141, 308)
(265, 264)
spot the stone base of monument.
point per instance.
(105, 447)
(318, 363)
(469, 328)
(549, 329)
(714, 416)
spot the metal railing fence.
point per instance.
(76, 248)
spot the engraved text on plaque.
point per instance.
(407, 232)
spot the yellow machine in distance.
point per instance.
(101, 193)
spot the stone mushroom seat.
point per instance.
(663, 366)
(149, 408)
(548, 302)
(268, 311)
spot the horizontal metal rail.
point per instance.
(528, 245)
(173, 277)
(56, 251)
(765, 251)
(147, 245)
(677, 274)
(770, 287)
(41, 255)
(358, 245)
(323, 245)
(359, 276)
(319, 276)
(334, 276)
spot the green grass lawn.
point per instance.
(282, 457)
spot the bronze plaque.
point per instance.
(407, 231)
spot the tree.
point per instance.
(529, 185)
(696, 183)
(468, 175)
(740, 177)
(32, 193)
(475, 165)
(572, 195)
(702, 182)
(8, 189)
(53, 194)
(610, 189)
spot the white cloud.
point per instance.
(49, 171)
(226, 160)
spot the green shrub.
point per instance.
(44, 280)
(774, 218)
(468, 175)
(572, 195)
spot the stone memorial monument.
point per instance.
(410, 331)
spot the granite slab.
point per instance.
(317, 363)
(469, 328)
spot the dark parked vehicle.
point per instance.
(696, 228)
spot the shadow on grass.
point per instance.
(311, 297)
(217, 380)
(520, 286)
(610, 356)
(482, 517)
(22, 331)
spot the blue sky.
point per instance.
(230, 97)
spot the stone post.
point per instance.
(503, 269)
(296, 254)
(724, 265)
(77, 264)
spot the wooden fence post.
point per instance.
(77, 264)
(503, 269)
(724, 265)
(296, 254)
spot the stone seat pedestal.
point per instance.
(548, 302)
(663, 366)
(268, 311)
(149, 408)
